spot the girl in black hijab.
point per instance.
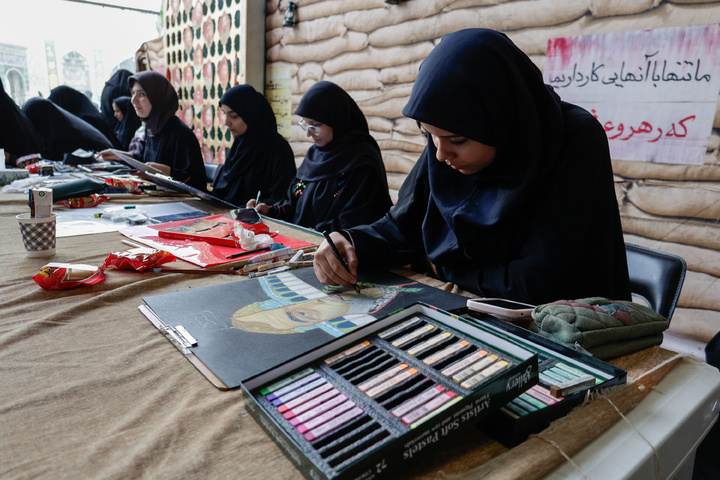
(80, 105)
(513, 196)
(18, 136)
(128, 121)
(62, 132)
(116, 86)
(260, 159)
(341, 182)
(170, 146)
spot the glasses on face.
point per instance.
(314, 129)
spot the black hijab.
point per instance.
(126, 128)
(61, 131)
(80, 105)
(162, 97)
(116, 86)
(477, 84)
(17, 134)
(352, 145)
(261, 158)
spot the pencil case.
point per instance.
(77, 188)
(604, 328)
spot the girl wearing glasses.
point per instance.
(260, 159)
(341, 182)
(513, 196)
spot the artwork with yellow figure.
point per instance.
(297, 307)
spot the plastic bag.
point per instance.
(139, 259)
(61, 276)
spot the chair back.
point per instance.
(656, 277)
(210, 171)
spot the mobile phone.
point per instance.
(501, 307)
(246, 215)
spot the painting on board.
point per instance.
(246, 327)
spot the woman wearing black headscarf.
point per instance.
(170, 146)
(18, 136)
(61, 131)
(80, 105)
(513, 196)
(116, 86)
(128, 121)
(260, 159)
(341, 182)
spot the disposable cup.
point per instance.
(38, 235)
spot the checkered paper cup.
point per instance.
(38, 235)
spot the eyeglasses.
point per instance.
(314, 129)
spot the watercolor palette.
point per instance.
(374, 399)
(565, 376)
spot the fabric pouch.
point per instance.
(604, 328)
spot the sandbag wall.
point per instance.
(373, 50)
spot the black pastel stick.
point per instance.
(338, 256)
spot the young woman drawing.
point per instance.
(513, 195)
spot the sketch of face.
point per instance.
(289, 318)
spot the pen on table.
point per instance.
(338, 256)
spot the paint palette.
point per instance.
(368, 402)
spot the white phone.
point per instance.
(501, 307)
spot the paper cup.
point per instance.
(38, 235)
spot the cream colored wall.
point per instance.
(373, 50)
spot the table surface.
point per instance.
(91, 389)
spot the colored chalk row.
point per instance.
(557, 380)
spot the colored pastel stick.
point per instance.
(427, 407)
(542, 394)
(417, 400)
(413, 335)
(305, 397)
(346, 353)
(387, 384)
(320, 409)
(561, 373)
(484, 374)
(446, 352)
(397, 328)
(525, 405)
(464, 363)
(286, 381)
(292, 386)
(298, 392)
(430, 342)
(382, 377)
(570, 369)
(572, 386)
(437, 411)
(333, 424)
(532, 401)
(326, 417)
(311, 404)
(474, 368)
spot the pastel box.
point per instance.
(388, 393)
(534, 410)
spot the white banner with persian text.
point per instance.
(654, 91)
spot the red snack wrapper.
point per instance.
(61, 276)
(132, 186)
(139, 259)
(84, 202)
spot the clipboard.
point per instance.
(219, 328)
